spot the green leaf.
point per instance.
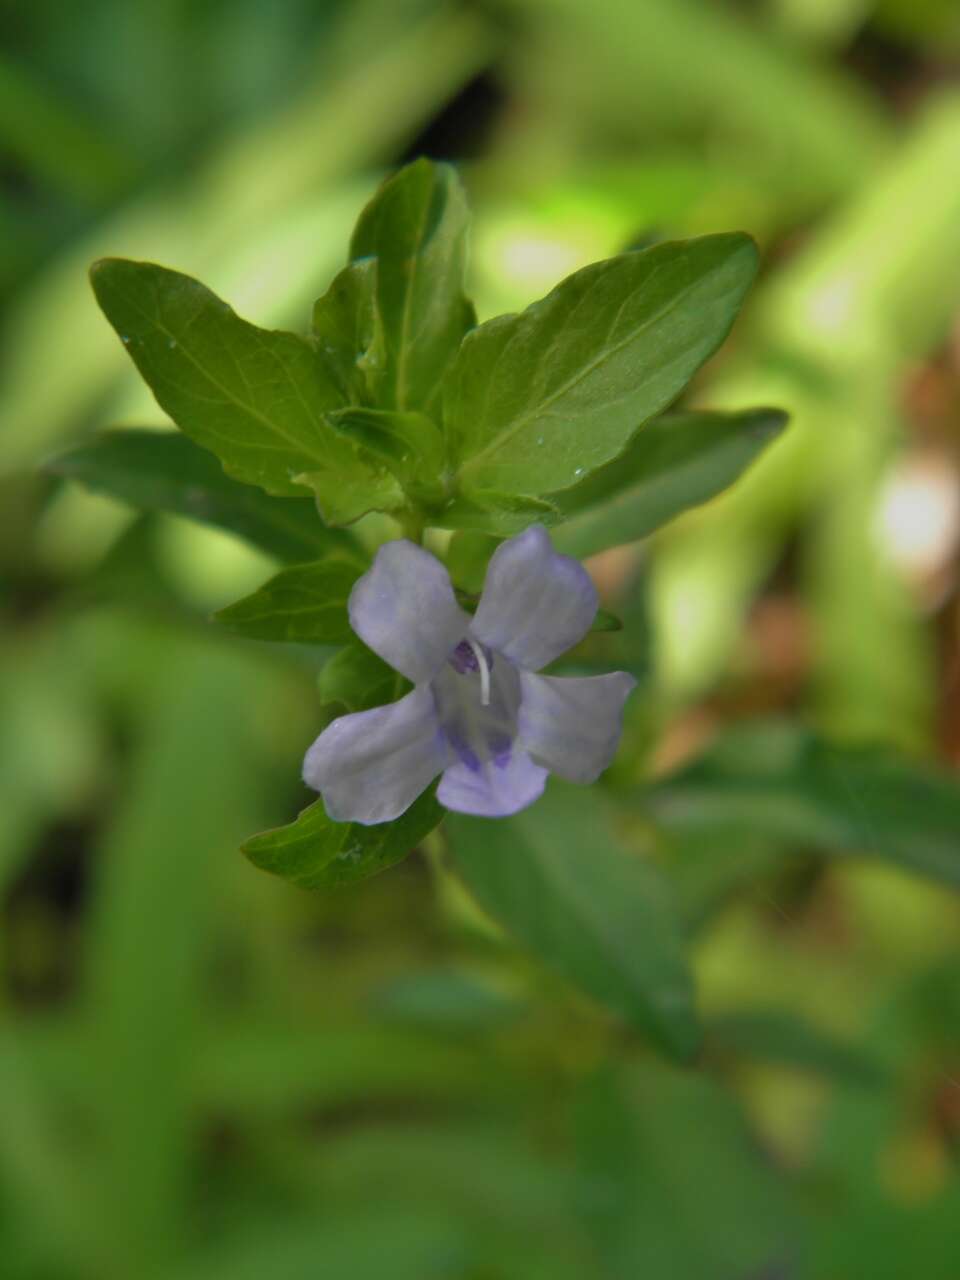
(305, 604)
(468, 555)
(194, 787)
(771, 1035)
(534, 401)
(415, 227)
(672, 1184)
(489, 511)
(166, 471)
(672, 463)
(358, 679)
(347, 330)
(409, 445)
(772, 779)
(555, 878)
(606, 621)
(316, 853)
(254, 397)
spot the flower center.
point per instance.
(469, 656)
(477, 696)
(484, 673)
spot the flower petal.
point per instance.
(405, 610)
(372, 765)
(572, 725)
(495, 788)
(536, 603)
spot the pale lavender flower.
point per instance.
(477, 715)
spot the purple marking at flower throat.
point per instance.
(463, 659)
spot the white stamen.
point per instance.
(484, 672)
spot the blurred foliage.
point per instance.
(207, 1073)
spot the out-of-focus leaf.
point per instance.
(54, 141)
(50, 1189)
(491, 1171)
(555, 877)
(358, 679)
(511, 1201)
(421, 1245)
(669, 68)
(193, 790)
(305, 604)
(673, 463)
(269, 1068)
(771, 1035)
(776, 780)
(706, 874)
(166, 471)
(316, 853)
(446, 1000)
(861, 1151)
(535, 401)
(254, 397)
(670, 1182)
(50, 748)
(415, 227)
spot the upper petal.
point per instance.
(494, 789)
(570, 724)
(536, 603)
(372, 765)
(405, 610)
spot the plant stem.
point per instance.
(412, 523)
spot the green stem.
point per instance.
(412, 523)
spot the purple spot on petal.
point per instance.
(465, 753)
(501, 750)
(463, 659)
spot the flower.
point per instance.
(478, 714)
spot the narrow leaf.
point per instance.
(317, 853)
(158, 890)
(772, 1035)
(673, 463)
(305, 604)
(166, 471)
(415, 227)
(775, 780)
(672, 1183)
(535, 401)
(555, 878)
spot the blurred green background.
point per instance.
(206, 1073)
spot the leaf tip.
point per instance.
(766, 423)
